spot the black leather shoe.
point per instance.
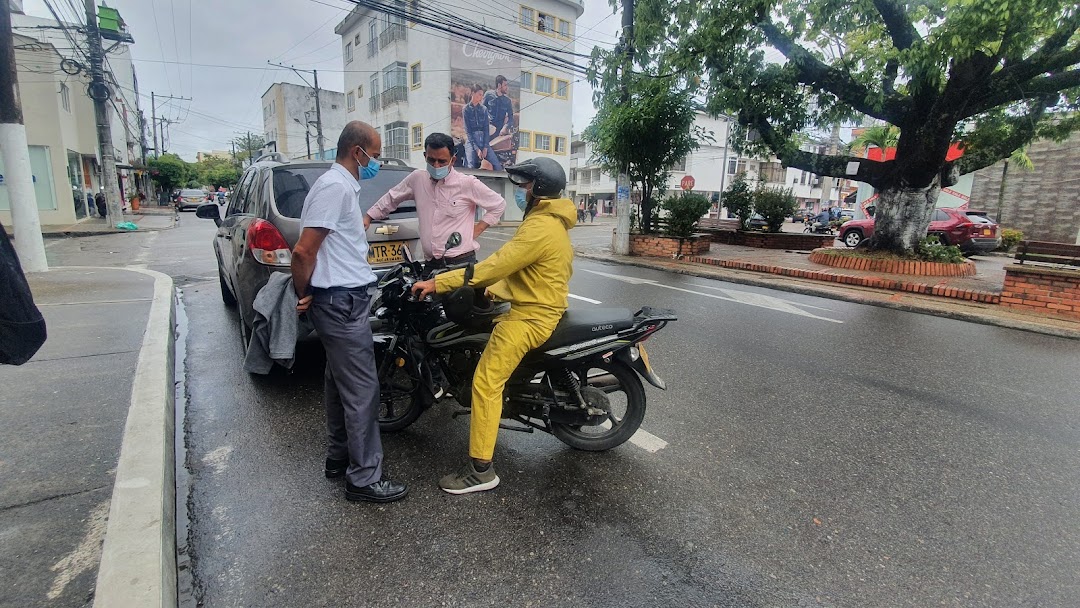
(336, 468)
(380, 491)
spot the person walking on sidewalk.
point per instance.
(331, 277)
(592, 212)
(446, 202)
(531, 271)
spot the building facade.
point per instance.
(61, 126)
(289, 118)
(409, 80)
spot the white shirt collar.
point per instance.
(352, 181)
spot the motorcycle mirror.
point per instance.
(453, 241)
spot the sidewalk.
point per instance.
(967, 298)
(95, 226)
(64, 417)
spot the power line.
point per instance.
(305, 38)
(161, 49)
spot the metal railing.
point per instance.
(393, 32)
(373, 103)
(394, 95)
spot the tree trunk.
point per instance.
(646, 208)
(902, 217)
(1001, 191)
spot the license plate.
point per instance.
(387, 252)
(644, 356)
(986, 232)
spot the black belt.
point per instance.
(360, 289)
(444, 262)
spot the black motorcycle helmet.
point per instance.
(547, 176)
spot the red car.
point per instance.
(971, 231)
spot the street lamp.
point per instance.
(307, 131)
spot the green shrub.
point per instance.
(775, 205)
(683, 213)
(739, 200)
(930, 249)
(1010, 238)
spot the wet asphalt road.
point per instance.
(817, 453)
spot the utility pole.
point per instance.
(100, 94)
(620, 240)
(19, 177)
(318, 107)
(153, 118)
(827, 181)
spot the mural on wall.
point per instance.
(485, 104)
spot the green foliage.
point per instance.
(1010, 238)
(170, 171)
(683, 213)
(775, 205)
(216, 172)
(644, 133)
(248, 146)
(785, 67)
(881, 136)
(930, 249)
(738, 199)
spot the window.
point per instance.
(595, 177)
(526, 81)
(414, 75)
(573, 176)
(545, 85)
(348, 52)
(524, 140)
(564, 29)
(273, 107)
(545, 23)
(560, 145)
(939, 216)
(732, 166)
(395, 84)
(333, 106)
(418, 137)
(374, 103)
(360, 92)
(774, 173)
(356, 40)
(542, 143)
(65, 97)
(373, 38)
(528, 17)
(562, 89)
(396, 140)
(350, 102)
(680, 165)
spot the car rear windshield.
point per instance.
(291, 186)
(979, 218)
(201, 193)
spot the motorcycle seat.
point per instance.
(582, 325)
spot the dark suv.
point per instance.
(971, 231)
(262, 224)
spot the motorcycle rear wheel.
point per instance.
(623, 388)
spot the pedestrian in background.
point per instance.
(592, 212)
(331, 277)
(99, 200)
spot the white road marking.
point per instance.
(732, 295)
(492, 238)
(795, 303)
(584, 299)
(643, 439)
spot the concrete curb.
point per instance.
(138, 559)
(860, 295)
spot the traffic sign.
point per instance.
(687, 183)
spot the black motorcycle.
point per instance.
(582, 385)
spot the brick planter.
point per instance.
(668, 247)
(928, 269)
(771, 240)
(1041, 289)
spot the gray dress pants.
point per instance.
(351, 382)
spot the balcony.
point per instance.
(392, 33)
(393, 95)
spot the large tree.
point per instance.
(992, 75)
(216, 172)
(170, 171)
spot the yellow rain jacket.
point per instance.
(532, 272)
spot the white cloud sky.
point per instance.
(182, 46)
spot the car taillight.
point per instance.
(267, 245)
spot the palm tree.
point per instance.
(881, 136)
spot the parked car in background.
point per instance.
(969, 230)
(261, 225)
(191, 198)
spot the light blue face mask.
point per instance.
(438, 172)
(371, 169)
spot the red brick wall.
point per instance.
(1041, 289)
(764, 240)
(935, 269)
(666, 247)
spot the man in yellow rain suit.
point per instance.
(532, 272)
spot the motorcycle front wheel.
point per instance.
(626, 399)
(399, 395)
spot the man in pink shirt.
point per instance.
(446, 202)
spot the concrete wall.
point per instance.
(286, 102)
(1044, 203)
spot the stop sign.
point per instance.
(687, 183)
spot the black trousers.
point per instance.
(351, 382)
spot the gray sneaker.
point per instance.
(468, 479)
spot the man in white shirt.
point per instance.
(331, 276)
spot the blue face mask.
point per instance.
(438, 172)
(371, 169)
(519, 198)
